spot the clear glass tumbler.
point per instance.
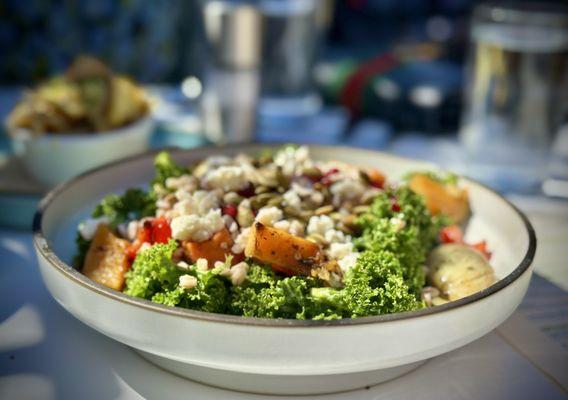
(516, 94)
(292, 35)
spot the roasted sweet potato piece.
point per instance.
(106, 260)
(286, 253)
(442, 199)
(214, 249)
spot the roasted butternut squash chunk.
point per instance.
(286, 253)
(442, 199)
(214, 249)
(106, 261)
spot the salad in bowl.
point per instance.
(281, 235)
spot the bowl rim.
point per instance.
(43, 249)
(24, 134)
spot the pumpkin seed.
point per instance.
(312, 172)
(261, 189)
(292, 211)
(348, 220)
(344, 228)
(306, 215)
(283, 180)
(336, 216)
(276, 202)
(260, 200)
(364, 177)
(361, 209)
(324, 210)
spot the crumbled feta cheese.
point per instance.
(289, 158)
(245, 216)
(296, 228)
(197, 228)
(200, 203)
(323, 226)
(292, 200)
(301, 190)
(202, 264)
(348, 262)
(347, 189)
(184, 181)
(219, 264)
(241, 241)
(228, 178)
(230, 223)
(88, 227)
(335, 236)
(187, 281)
(283, 225)
(337, 251)
(239, 273)
(182, 265)
(269, 215)
(319, 225)
(397, 223)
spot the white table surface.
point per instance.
(45, 353)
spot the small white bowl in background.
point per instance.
(54, 158)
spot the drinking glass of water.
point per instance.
(517, 94)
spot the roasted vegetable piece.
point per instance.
(106, 261)
(286, 253)
(441, 198)
(214, 249)
(458, 270)
(376, 178)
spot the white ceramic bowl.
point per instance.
(52, 159)
(280, 356)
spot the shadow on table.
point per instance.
(43, 350)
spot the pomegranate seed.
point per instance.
(395, 207)
(230, 210)
(247, 192)
(326, 178)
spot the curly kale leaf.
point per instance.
(410, 242)
(133, 204)
(210, 294)
(376, 285)
(166, 168)
(266, 295)
(153, 271)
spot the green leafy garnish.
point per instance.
(166, 168)
(133, 204)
